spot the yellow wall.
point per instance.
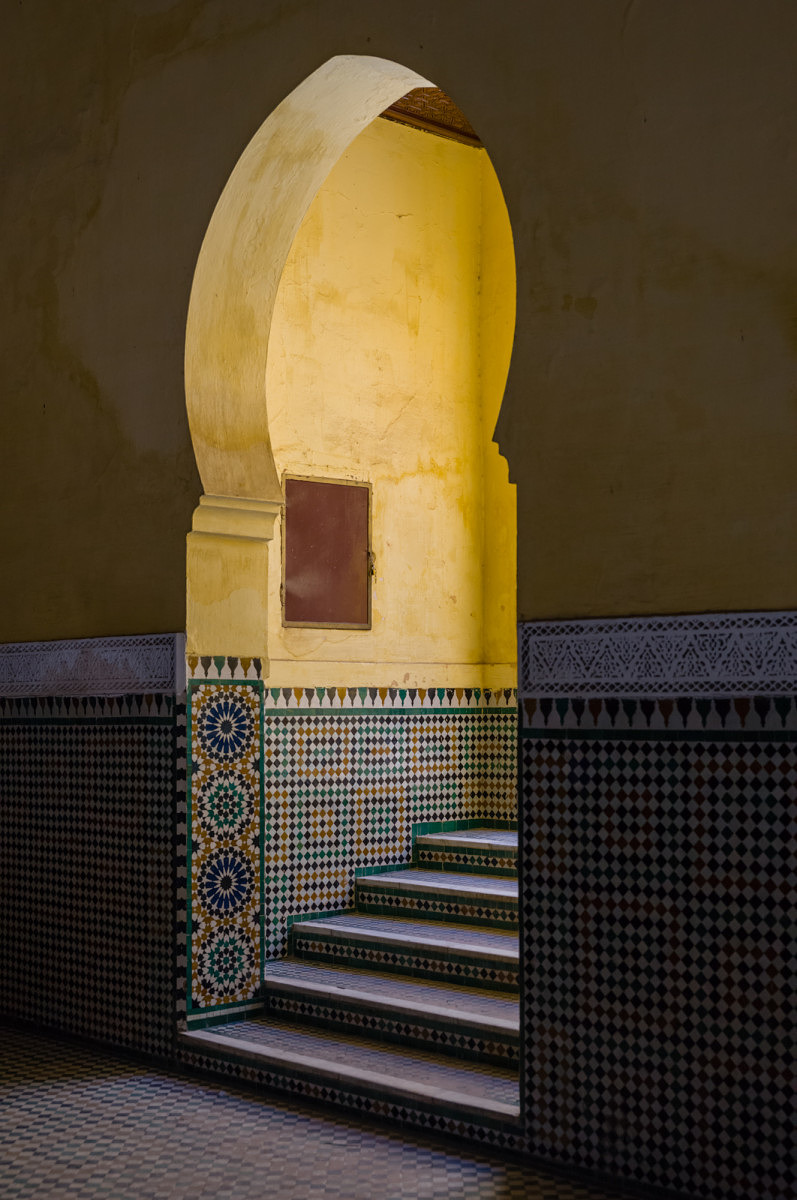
(375, 372)
(497, 312)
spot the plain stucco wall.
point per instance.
(645, 154)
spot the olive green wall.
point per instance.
(646, 154)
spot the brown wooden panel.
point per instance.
(431, 109)
(326, 570)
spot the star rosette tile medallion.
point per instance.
(226, 745)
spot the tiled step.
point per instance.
(483, 851)
(479, 958)
(485, 900)
(459, 1021)
(377, 1078)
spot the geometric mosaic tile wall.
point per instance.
(343, 789)
(90, 791)
(658, 900)
(346, 774)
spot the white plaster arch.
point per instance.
(243, 255)
(232, 301)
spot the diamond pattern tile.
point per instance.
(93, 797)
(658, 898)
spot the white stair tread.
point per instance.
(486, 886)
(469, 1007)
(477, 839)
(353, 1061)
(416, 933)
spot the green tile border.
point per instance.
(474, 851)
(381, 869)
(420, 827)
(237, 1011)
(321, 915)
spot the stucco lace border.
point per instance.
(714, 654)
(150, 664)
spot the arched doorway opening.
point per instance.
(234, 290)
(283, 172)
(351, 321)
(388, 349)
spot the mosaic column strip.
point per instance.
(225, 877)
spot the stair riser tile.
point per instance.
(437, 966)
(431, 906)
(460, 1043)
(442, 859)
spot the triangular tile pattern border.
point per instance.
(403, 699)
(220, 667)
(87, 708)
(662, 714)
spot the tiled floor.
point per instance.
(75, 1123)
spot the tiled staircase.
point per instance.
(407, 1005)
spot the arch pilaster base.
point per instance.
(227, 572)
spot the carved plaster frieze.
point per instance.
(714, 654)
(146, 664)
